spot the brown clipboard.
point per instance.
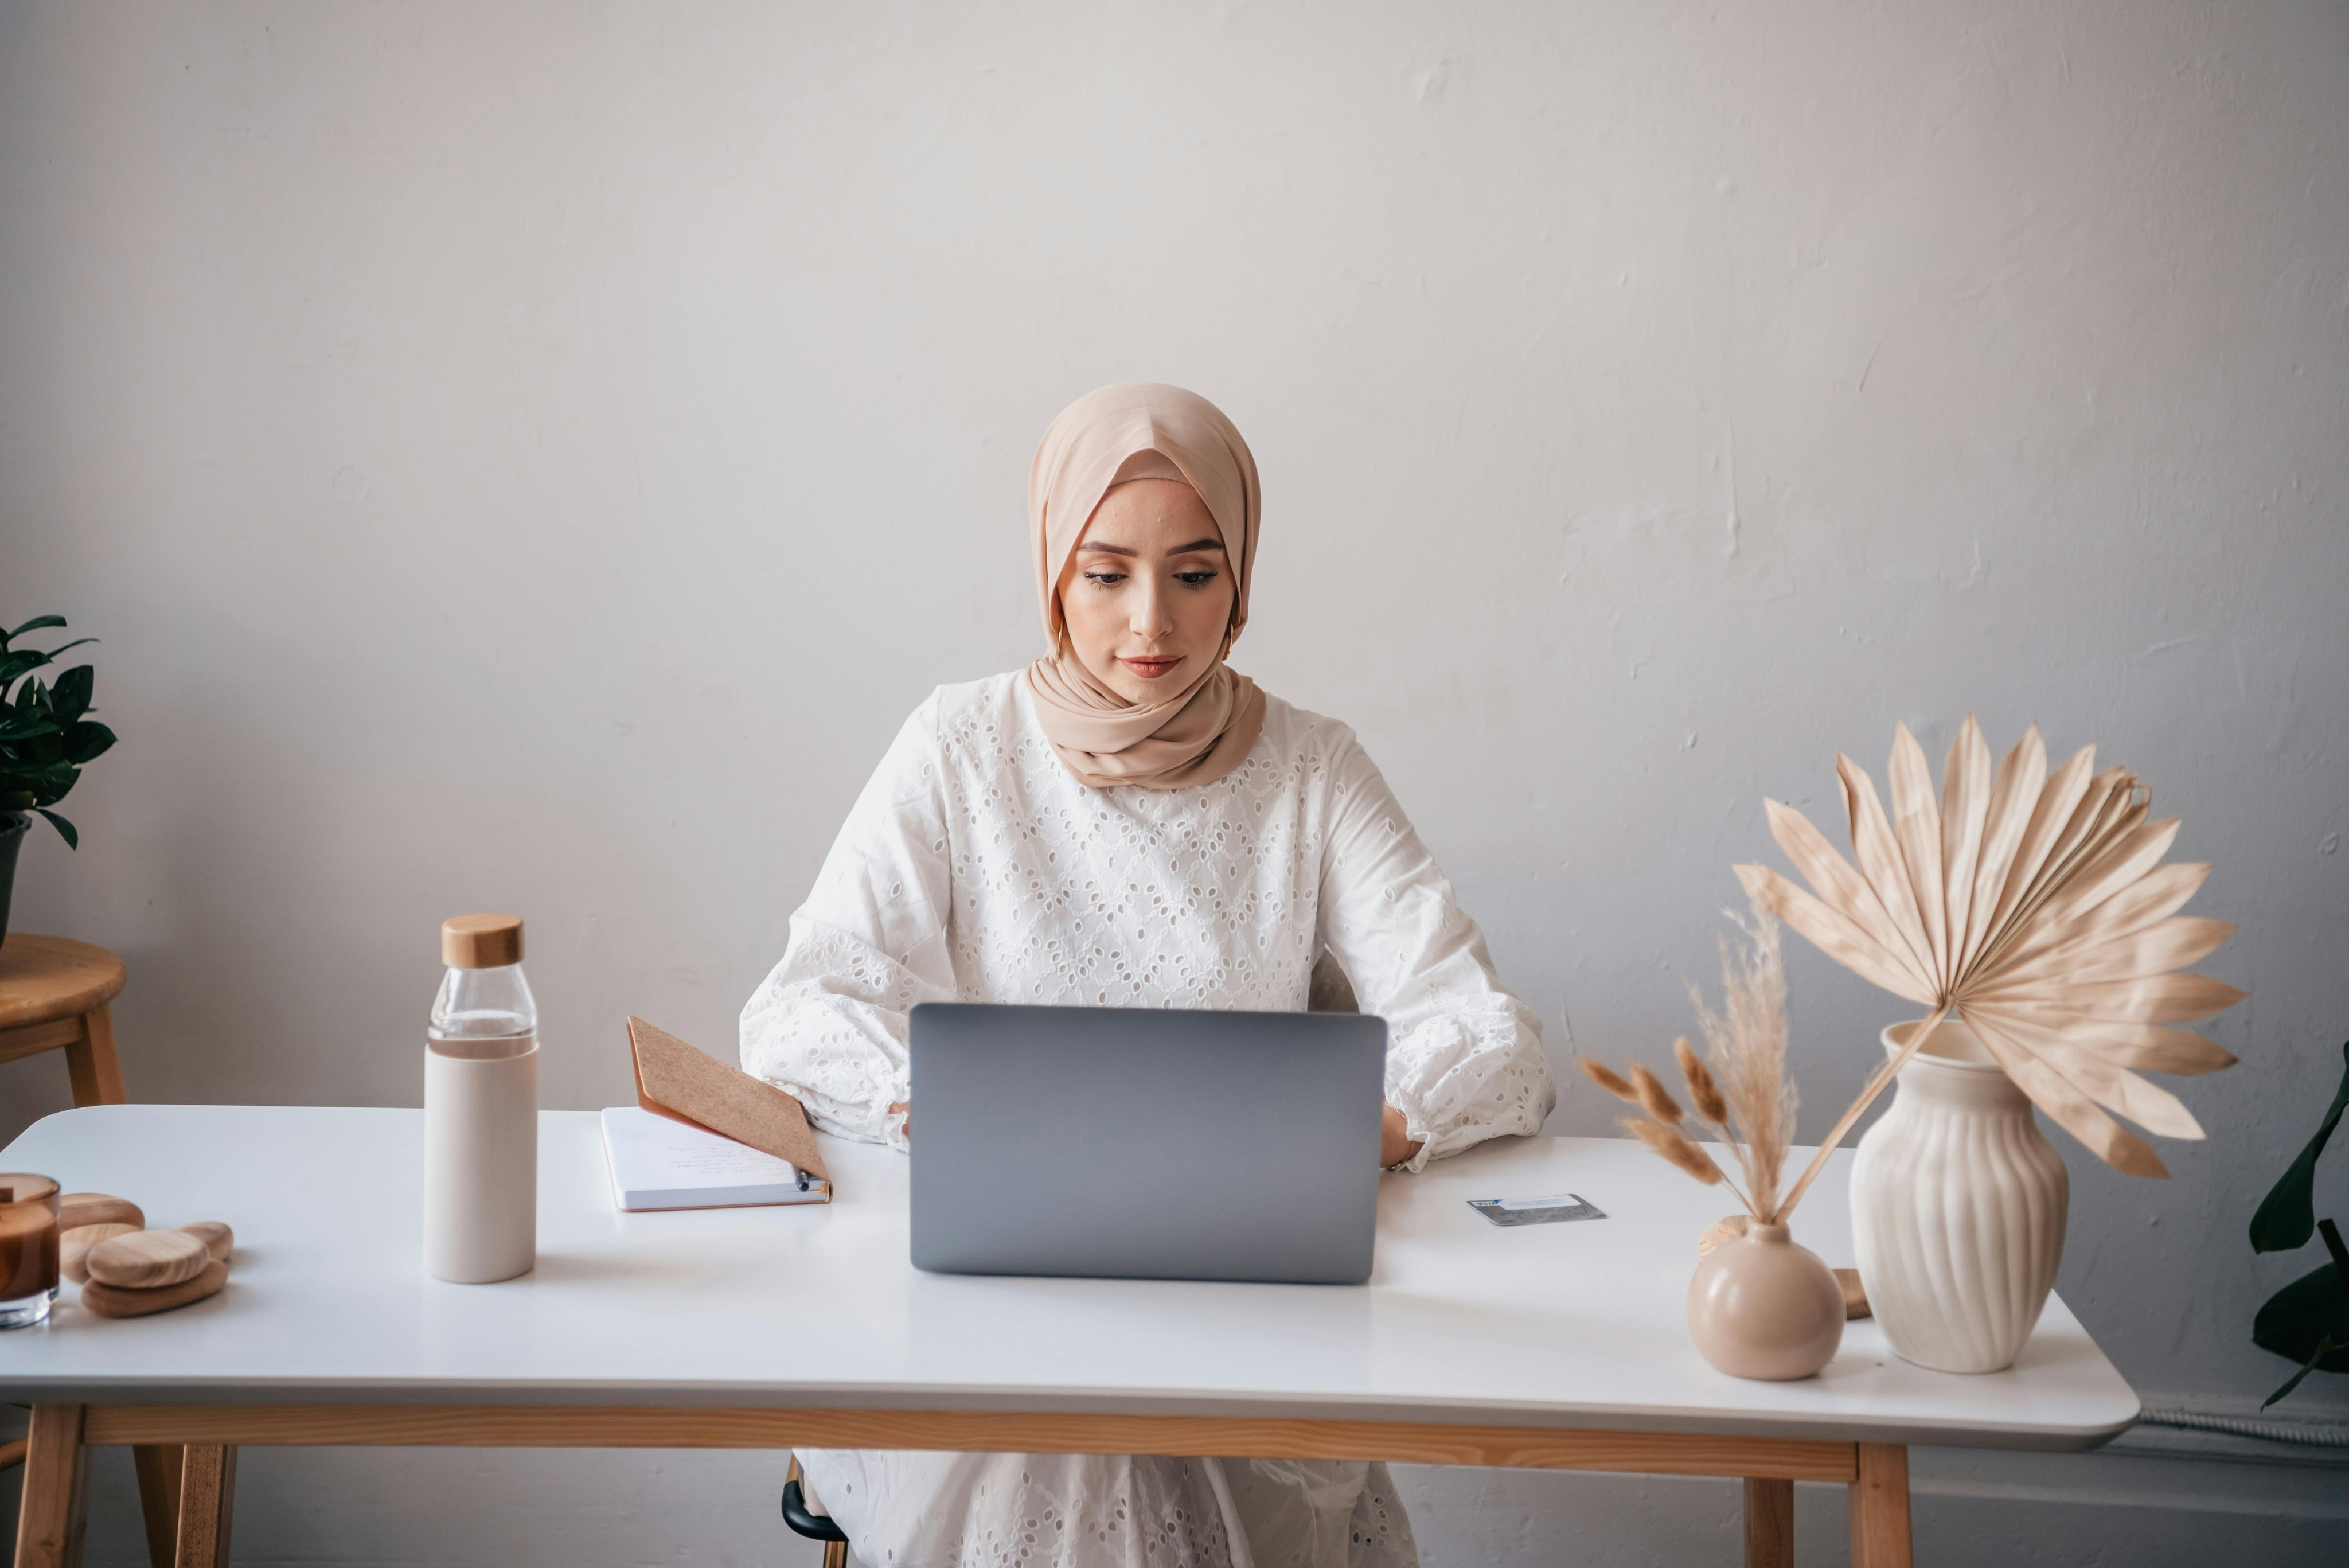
(687, 1084)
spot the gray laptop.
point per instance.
(1139, 1143)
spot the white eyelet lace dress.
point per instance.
(974, 867)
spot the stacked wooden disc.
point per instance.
(73, 1245)
(76, 1209)
(128, 1271)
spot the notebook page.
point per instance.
(657, 1162)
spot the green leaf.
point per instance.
(2287, 1216)
(64, 829)
(49, 785)
(2298, 1319)
(86, 739)
(32, 659)
(26, 728)
(2293, 1381)
(19, 662)
(69, 697)
(35, 624)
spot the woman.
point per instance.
(1129, 822)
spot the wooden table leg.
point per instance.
(50, 1521)
(159, 1466)
(1880, 1508)
(1769, 1523)
(91, 1063)
(207, 1497)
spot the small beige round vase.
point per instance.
(1760, 1306)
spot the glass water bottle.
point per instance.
(481, 1107)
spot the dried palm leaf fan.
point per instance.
(2031, 906)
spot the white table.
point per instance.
(1557, 1347)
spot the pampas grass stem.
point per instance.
(1679, 1150)
(1611, 1082)
(1703, 1090)
(1745, 1047)
(1652, 1097)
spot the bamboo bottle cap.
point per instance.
(481, 941)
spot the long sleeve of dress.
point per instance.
(1464, 1058)
(829, 1024)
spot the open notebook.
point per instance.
(659, 1162)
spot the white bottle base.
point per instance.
(480, 1162)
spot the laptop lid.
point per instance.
(1141, 1143)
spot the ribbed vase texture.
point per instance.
(1958, 1209)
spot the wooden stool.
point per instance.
(53, 997)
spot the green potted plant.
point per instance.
(2306, 1321)
(45, 741)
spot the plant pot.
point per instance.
(12, 825)
(1760, 1306)
(1958, 1205)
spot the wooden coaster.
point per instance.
(147, 1259)
(76, 1209)
(1855, 1294)
(111, 1300)
(73, 1246)
(217, 1238)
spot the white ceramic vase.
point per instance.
(1958, 1205)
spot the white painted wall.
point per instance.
(532, 457)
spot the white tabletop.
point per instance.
(1575, 1324)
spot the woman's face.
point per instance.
(1148, 593)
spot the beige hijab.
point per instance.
(1140, 429)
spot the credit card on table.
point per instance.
(1536, 1210)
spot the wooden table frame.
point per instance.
(208, 1436)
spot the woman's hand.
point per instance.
(906, 1107)
(1395, 1142)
